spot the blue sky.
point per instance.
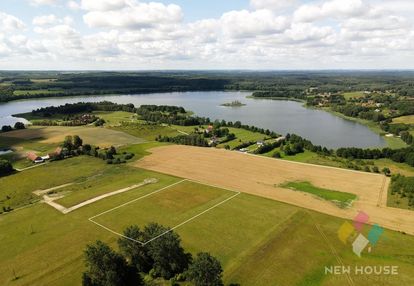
(192, 34)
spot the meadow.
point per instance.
(340, 198)
(258, 241)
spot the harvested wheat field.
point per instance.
(92, 135)
(261, 176)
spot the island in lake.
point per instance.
(235, 103)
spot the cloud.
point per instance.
(10, 23)
(51, 19)
(330, 9)
(243, 23)
(45, 20)
(73, 5)
(43, 2)
(272, 4)
(103, 5)
(134, 16)
(271, 34)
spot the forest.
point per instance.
(25, 84)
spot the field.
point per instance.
(409, 119)
(102, 137)
(114, 117)
(243, 136)
(146, 131)
(353, 94)
(258, 241)
(259, 176)
(340, 198)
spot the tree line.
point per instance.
(191, 139)
(82, 107)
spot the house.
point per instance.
(34, 158)
(260, 143)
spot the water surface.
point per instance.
(281, 116)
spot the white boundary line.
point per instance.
(91, 219)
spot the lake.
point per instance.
(281, 116)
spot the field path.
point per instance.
(51, 200)
(261, 176)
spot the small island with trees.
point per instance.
(235, 103)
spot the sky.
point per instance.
(210, 35)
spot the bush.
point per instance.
(277, 155)
(19, 125)
(6, 128)
(6, 167)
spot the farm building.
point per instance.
(34, 158)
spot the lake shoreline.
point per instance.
(282, 116)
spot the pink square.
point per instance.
(359, 221)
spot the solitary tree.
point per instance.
(107, 268)
(205, 270)
(68, 143)
(77, 142)
(19, 125)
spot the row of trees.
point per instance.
(191, 139)
(82, 107)
(403, 155)
(74, 120)
(282, 92)
(155, 251)
(73, 146)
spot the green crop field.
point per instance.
(258, 241)
(340, 198)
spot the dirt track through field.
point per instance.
(260, 176)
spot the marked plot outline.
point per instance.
(93, 218)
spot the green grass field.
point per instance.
(409, 119)
(242, 136)
(258, 241)
(147, 131)
(115, 117)
(340, 198)
(353, 94)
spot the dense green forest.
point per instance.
(18, 85)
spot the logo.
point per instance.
(348, 230)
